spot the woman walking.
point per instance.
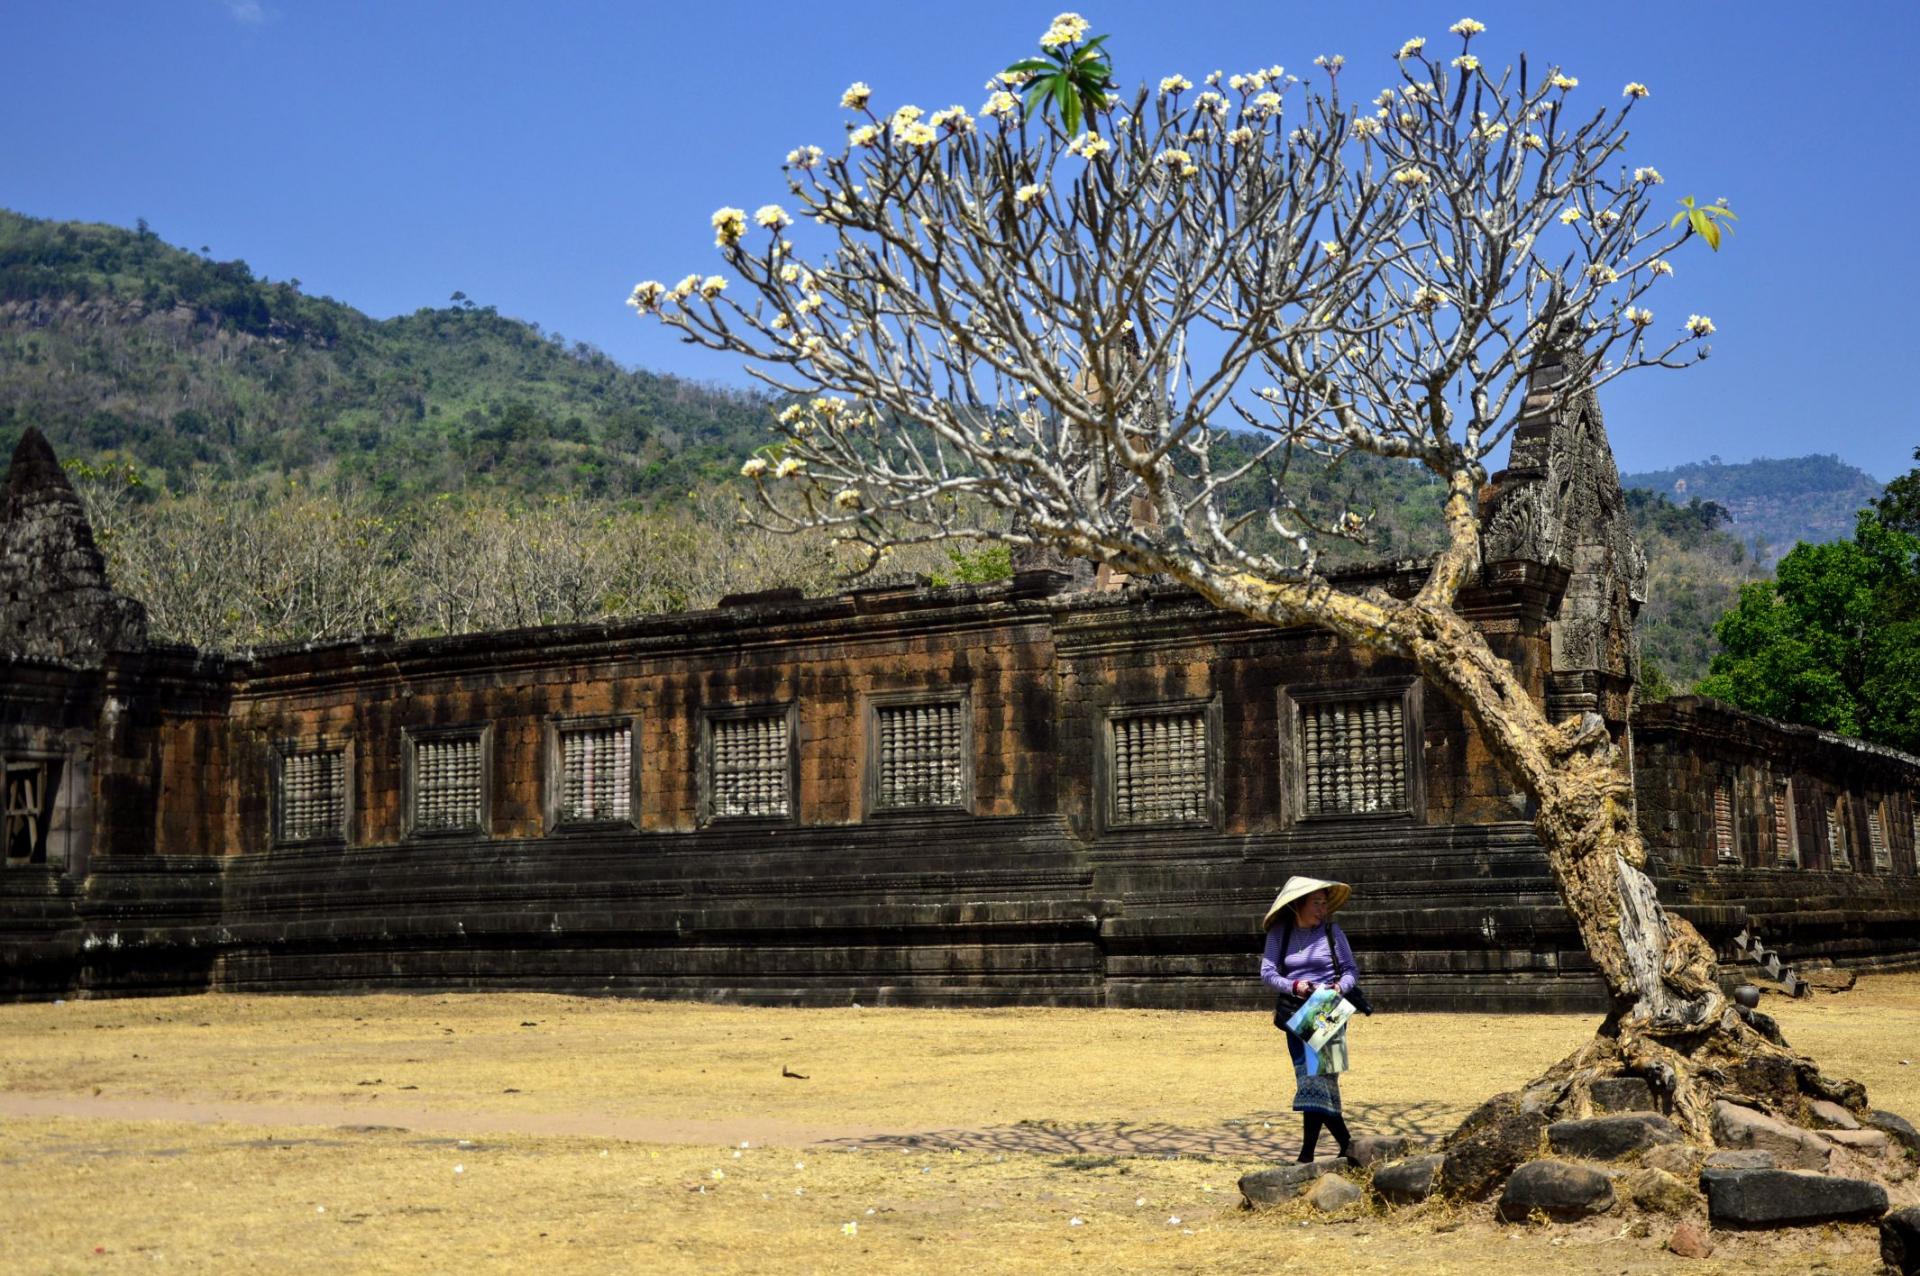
(1306, 950)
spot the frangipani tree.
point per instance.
(996, 313)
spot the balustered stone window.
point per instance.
(1877, 838)
(26, 798)
(1355, 750)
(592, 773)
(447, 780)
(1161, 765)
(919, 753)
(1786, 827)
(311, 792)
(1726, 845)
(749, 764)
(1839, 834)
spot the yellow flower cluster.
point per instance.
(1467, 27)
(772, 216)
(791, 413)
(1411, 177)
(1065, 29)
(647, 296)
(1636, 89)
(1603, 274)
(1178, 160)
(728, 225)
(1333, 63)
(1560, 81)
(918, 135)
(1568, 216)
(905, 116)
(1700, 325)
(954, 119)
(1533, 142)
(1649, 175)
(1660, 266)
(847, 499)
(1332, 248)
(865, 135)
(804, 156)
(1211, 103)
(1364, 128)
(1491, 130)
(1267, 103)
(1427, 300)
(1028, 193)
(1467, 62)
(1241, 136)
(1411, 47)
(1089, 145)
(856, 95)
(1175, 84)
(754, 468)
(1639, 318)
(1002, 103)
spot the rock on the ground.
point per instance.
(1900, 1242)
(1332, 1194)
(1829, 1115)
(1477, 1162)
(1740, 1159)
(1558, 1189)
(1829, 979)
(1792, 1147)
(1782, 1198)
(1865, 1142)
(1372, 1149)
(1622, 1094)
(1899, 1127)
(1690, 1240)
(1660, 1192)
(1677, 1159)
(1609, 1138)
(1410, 1181)
(1277, 1184)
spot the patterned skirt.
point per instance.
(1312, 1094)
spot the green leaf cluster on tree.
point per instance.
(1833, 641)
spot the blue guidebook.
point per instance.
(1320, 1023)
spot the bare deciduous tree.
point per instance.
(993, 312)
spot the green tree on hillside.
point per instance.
(1833, 641)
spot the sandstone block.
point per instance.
(1332, 1194)
(1898, 1127)
(1610, 1138)
(1865, 1142)
(1676, 1159)
(1740, 1159)
(1792, 1147)
(1831, 979)
(1829, 1115)
(1782, 1198)
(1558, 1189)
(1660, 1192)
(1410, 1181)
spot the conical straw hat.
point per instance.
(1298, 887)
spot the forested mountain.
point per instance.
(119, 346)
(234, 397)
(1777, 502)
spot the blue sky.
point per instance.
(542, 157)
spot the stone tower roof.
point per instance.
(1559, 502)
(55, 602)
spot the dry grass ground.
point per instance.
(234, 1134)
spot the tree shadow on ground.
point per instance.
(1258, 1136)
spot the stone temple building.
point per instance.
(1056, 789)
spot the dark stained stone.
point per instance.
(1410, 1181)
(1559, 1190)
(1372, 1149)
(1278, 1183)
(1659, 1191)
(1898, 1127)
(1783, 1198)
(1622, 1094)
(1900, 1242)
(1611, 1137)
(1476, 1163)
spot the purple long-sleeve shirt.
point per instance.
(1309, 956)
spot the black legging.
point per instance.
(1311, 1135)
